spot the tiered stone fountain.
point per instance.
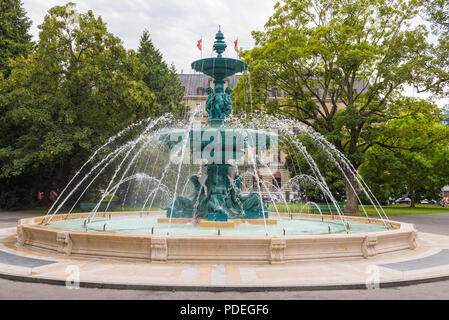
(216, 204)
(220, 198)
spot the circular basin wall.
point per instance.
(306, 237)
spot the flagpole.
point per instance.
(201, 47)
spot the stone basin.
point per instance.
(213, 248)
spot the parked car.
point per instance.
(296, 200)
(403, 200)
(269, 198)
(431, 201)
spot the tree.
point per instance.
(421, 167)
(15, 39)
(77, 89)
(437, 12)
(435, 77)
(338, 64)
(160, 79)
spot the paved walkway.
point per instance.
(38, 291)
(9, 219)
(431, 223)
(429, 260)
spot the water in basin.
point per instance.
(146, 224)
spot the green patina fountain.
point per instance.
(219, 198)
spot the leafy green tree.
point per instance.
(421, 167)
(437, 12)
(15, 39)
(435, 77)
(338, 65)
(78, 88)
(160, 79)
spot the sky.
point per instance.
(175, 26)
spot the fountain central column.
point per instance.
(219, 198)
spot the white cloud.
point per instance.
(174, 25)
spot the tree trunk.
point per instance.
(352, 205)
(412, 193)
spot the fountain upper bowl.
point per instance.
(219, 67)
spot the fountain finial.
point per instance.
(219, 44)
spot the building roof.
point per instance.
(195, 82)
(191, 82)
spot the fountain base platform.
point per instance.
(427, 263)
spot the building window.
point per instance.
(277, 157)
(200, 91)
(255, 187)
(277, 181)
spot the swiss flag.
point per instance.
(199, 44)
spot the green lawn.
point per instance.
(44, 211)
(404, 209)
(31, 211)
(390, 210)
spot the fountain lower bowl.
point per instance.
(66, 236)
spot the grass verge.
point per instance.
(390, 210)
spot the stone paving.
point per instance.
(430, 261)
